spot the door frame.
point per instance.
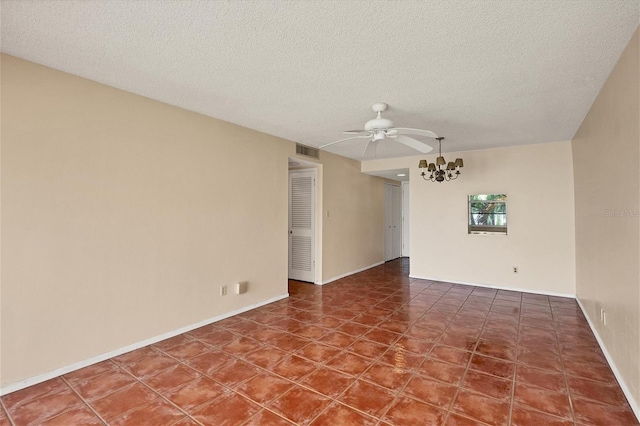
(300, 165)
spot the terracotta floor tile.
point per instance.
(318, 352)
(353, 329)
(442, 371)
(234, 372)
(90, 371)
(135, 355)
(264, 387)
(195, 393)
(367, 349)
(450, 355)
(267, 335)
(408, 411)
(294, 367)
(337, 340)
(398, 357)
(173, 341)
(593, 413)
(605, 393)
(592, 371)
(187, 349)
(497, 349)
(310, 332)
(172, 378)
(241, 346)
(157, 412)
(265, 356)
(550, 402)
(300, 405)
(150, 365)
(459, 341)
(77, 416)
(349, 363)
(246, 327)
(31, 393)
(368, 398)
(103, 384)
(289, 342)
(487, 385)
(544, 379)
(267, 418)
(218, 338)
(328, 382)
(338, 414)
(210, 362)
(482, 408)
(230, 409)
(116, 404)
(542, 360)
(388, 376)
(524, 416)
(459, 420)
(45, 407)
(432, 392)
(381, 336)
(201, 331)
(493, 366)
(4, 421)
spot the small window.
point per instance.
(488, 214)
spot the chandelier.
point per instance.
(438, 170)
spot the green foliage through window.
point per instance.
(488, 214)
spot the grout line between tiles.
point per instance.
(83, 400)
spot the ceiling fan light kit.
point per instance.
(439, 173)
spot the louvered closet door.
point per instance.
(302, 225)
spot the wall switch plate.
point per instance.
(223, 290)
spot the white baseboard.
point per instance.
(498, 287)
(349, 273)
(93, 360)
(616, 372)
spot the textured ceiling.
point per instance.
(481, 73)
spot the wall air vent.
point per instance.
(307, 151)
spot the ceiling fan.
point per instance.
(380, 128)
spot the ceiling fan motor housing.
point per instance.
(378, 124)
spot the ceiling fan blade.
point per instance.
(370, 149)
(415, 144)
(421, 132)
(355, 132)
(342, 140)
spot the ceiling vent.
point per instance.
(307, 151)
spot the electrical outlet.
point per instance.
(515, 269)
(223, 290)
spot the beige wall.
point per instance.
(606, 155)
(353, 233)
(538, 181)
(122, 216)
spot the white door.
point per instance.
(392, 222)
(302, 196)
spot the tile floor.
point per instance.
(376, 348)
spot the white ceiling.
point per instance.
(481, 73)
